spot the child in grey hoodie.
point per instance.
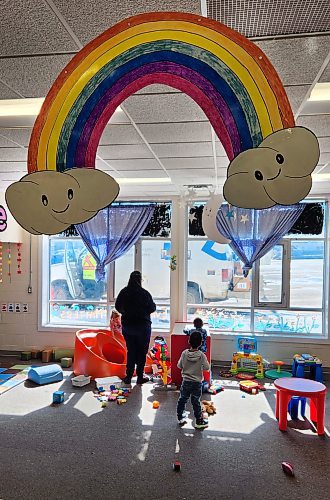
(192, 363)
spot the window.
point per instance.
(75, 298)
(284, 293)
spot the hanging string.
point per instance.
(9, 261)
(19, 258)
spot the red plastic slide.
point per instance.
(99, 353)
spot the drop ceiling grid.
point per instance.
(257, 18)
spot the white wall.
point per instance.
(20, 331)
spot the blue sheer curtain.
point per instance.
(254, 232)
(113, 231)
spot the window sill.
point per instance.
(269, 337)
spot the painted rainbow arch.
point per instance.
(228, 76)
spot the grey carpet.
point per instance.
(78, 450)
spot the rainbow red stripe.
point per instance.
(228, 76)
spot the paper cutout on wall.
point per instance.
(48, 202)
(276, 172)
(10, 231)
(209, 219)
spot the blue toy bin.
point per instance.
(45, 374)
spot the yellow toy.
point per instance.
(247, 357)
(208, 407)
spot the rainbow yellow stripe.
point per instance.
(226, 74)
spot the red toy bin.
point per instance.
(179, 342)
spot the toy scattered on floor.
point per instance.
(66, 362)
(161, 367)
(288, 469)
(249, 386)
(215, 388)
(45, 374)
(245, 376)
(247, 358)
(107, 382)
(35, 354)
(225, 374)
(58, 397)
(155, 405)
(81, 380)
(176, 466)
(308, 360)
(278, 373)
(118, 395)
(208, 407)
(46, 355)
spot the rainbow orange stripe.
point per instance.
(227, 75)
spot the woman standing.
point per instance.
(135, 305)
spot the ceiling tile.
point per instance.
(10, 176)
(158, 174)
(124, 152)
(15, 166)
(13, 154)
(19, 135)
(176, 132)
(88, 19)
(324, 143)
(324, 158)
(160, 108)
(147, 164)
(194, 176)
(326, 74)
(29, 27)
(32, 76)
(183, 149)
(188, 163)
(296, 95)
(220, 151)
(297, 60)
(319, 124)
(7, 93)
(120, 134)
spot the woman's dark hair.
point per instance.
(195, 339)
(135, 279)
(198, 323)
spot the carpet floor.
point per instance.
(80, 450)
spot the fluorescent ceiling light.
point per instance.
(320, 177)
(144, 180)
(320, 92)
(25, 107)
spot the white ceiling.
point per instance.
(163, 132)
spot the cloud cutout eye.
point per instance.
(92, 190)
(254, 179)
(279, 159)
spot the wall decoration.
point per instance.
(48, 202)
(209, 219)
(9, 261)
(19, 258)
(228, 76)
(195, 221)
(9, 229)
(160, 222)
(1, 261)
(173, 263)
(278, 171)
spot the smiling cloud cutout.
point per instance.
(278, 171)
(48, 202)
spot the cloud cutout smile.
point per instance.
(48, 202)
(278, 171)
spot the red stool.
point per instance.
(288, 387)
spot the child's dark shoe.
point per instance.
(142, 380)
(201, 424)
(182, 421)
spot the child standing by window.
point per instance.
(192, 363)
(198, 326)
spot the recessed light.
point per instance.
(320, 92)
(144, 180)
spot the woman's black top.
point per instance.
(135, 305)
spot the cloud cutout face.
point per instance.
(278, 171)
(48, 202)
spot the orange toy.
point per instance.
(99, 355)
(155, 405)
